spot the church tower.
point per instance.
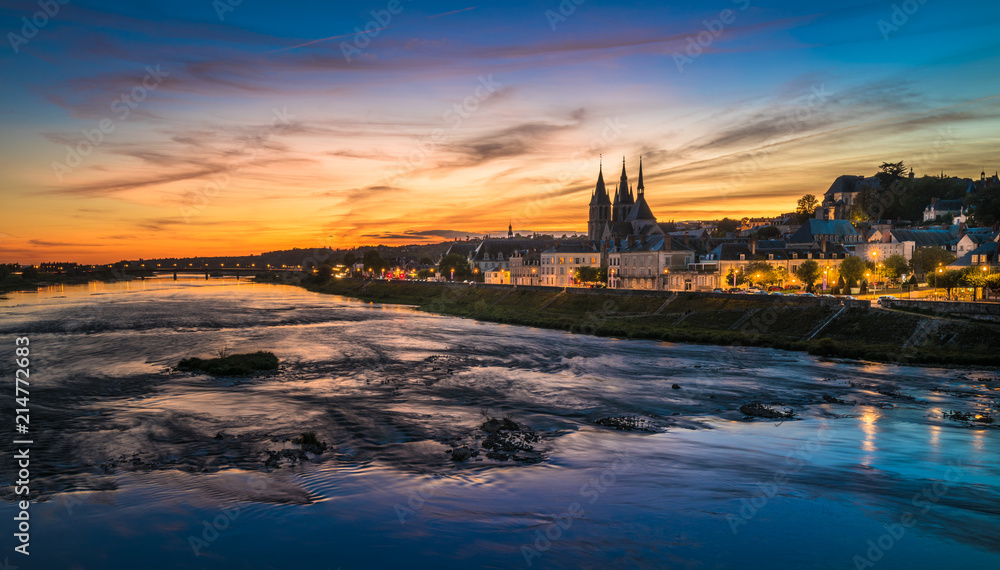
(640, 213)
(600, 209)
(623, 198)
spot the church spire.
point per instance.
(641, 187)
(624, 186)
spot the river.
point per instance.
(134, 465)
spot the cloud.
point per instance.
(518, 140)
(423, 235)
(44, 243)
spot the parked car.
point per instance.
(774, 288)
(778, 293)
(792, 288)
(805, 295)
(885, 297)
(735, 290)
(718, 291)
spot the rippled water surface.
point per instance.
(137, 466)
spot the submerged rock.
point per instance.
(463, 453)
(493, 425)
(626, 423)
(507, 441)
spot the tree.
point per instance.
(324, 271)
(760, 272)
(349, 259)
(895, 266)
(426, 261)
(985, 208)
(806, 207)
(735, 278)
(992, 284)
(586, 274)
(926, 260)
(945, 279)
(976, 278)
(29, 272)
(851, 270)
(808, 273)
(890, 172)
(456, 262)
(373, 261)
(781, 274)
(727, 226)
(769, 232)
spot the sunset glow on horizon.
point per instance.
(226, 128)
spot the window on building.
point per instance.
(743, 257)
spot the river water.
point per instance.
(136, 466)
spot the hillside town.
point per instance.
(851, 240)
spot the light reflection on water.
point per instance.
(364, 378)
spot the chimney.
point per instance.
(753, 246)
(630, 241)
(687, 240)
(823, 244)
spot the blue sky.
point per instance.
(776, 101)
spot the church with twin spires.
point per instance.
(627, 214)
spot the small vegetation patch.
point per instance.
(757, 410)
(309, 442)
(227, 364)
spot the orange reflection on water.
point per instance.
(871, 431)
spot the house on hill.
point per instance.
(942, 208)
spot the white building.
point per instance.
(559, 263)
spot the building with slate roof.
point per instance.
(815, 232)
(736, 257)
(560, 262)
(647, 262)
(492, 255)
(941, 208)
(526, 267)
(984, 257)
(840, 198)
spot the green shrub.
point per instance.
(231, 364)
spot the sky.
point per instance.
(225, 127)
